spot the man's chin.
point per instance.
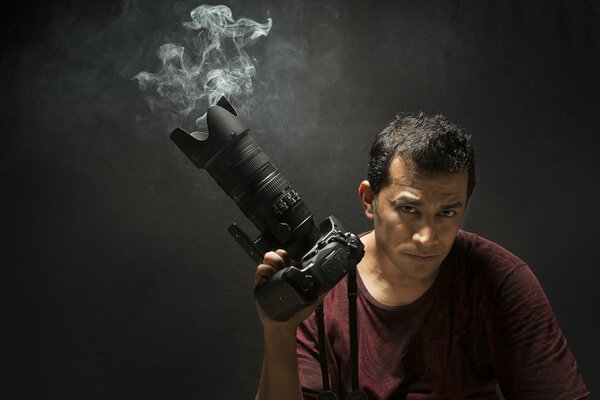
(422, 267)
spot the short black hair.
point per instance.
(431, 145)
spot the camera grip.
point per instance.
(279, 300)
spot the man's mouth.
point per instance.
(421, 257)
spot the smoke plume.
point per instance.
(211, 63)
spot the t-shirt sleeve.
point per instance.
(530, 354)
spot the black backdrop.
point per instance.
(120, 280)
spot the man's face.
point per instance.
(416, 218)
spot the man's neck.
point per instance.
(384, 281)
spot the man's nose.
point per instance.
(425, 234)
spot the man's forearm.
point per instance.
(279, 377)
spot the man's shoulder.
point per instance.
(483, 272)
(480, 262)
(475, 249)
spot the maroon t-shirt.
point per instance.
(485, 320)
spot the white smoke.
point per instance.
(212, 65)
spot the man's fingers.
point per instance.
(276, 258)
(264, 271)
(285, 256)
(272, 262)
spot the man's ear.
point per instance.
(367, 199)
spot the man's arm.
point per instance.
(279, 377)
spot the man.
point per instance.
(442, 313)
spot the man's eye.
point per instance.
(408, 209)
(448, 213)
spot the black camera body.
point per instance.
(321, 257)
(321, 268)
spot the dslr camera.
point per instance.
(321, 256)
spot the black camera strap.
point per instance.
(322, 347)
(356, 393)
(326, 394)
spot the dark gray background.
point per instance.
(121, 281)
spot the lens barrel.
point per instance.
(247, 175)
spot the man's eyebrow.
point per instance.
(457, 204)
(408, 200)
(415, 202)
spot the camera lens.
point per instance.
(244, 171)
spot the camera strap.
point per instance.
(326, 393)
(356, 393)
(322, 347)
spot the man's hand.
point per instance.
(273, 262)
